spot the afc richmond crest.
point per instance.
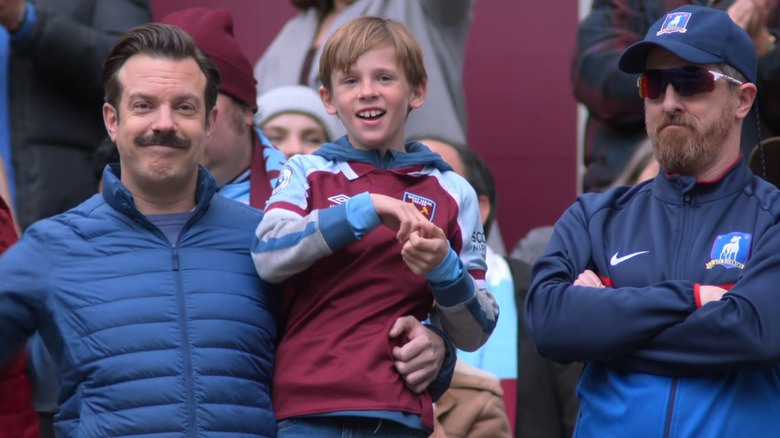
(730, 250)
(675, 22)
(424, 205)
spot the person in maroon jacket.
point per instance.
(17, 416)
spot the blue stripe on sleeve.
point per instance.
(287, 241)
(335, 227)
(362, 214)
(455, 292)
(461, 291)
(448, 271)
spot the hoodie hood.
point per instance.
(416, 154)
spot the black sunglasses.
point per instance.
(687, 81)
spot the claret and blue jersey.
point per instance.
(345, 288)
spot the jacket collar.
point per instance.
(416, 154)
(120, 199)
(677, 189)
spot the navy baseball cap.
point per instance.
(699, 35)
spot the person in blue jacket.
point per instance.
(146, 295)
(667, 290)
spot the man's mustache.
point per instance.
(167, 138)
(672, 120)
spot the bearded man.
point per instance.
(667, 290)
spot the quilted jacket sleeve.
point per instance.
(23, 288)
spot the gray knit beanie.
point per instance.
(295, 99)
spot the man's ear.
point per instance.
(746, 94)
(249, 118)
(418, 95)
(484, 208)
(111, 120)
(327, 100)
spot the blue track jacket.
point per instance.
(658, 363)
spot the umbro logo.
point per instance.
(615, 260)
(338, 199)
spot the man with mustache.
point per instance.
(667, 290)
(146, 295)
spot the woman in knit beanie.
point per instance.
(294, 119)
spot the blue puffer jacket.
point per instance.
(151, 339)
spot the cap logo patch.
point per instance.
(424, 205)
(675, 22)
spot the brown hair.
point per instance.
(366, 33)
(159, 41)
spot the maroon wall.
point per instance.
(522, 116)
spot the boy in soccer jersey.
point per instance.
(365, 230)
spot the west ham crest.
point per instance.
(424, 205)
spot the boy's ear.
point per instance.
(418, 95)
(327, 100)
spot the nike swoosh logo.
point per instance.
(615, 260)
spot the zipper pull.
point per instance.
(175, 257)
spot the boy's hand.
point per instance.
(420, 359)
(397, 215)
(425, 249)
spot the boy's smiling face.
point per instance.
(372, 99)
